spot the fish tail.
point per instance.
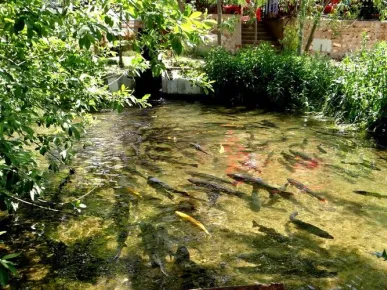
(292, 217)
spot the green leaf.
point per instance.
(10, 256)
(4, 277)
(12, 268)
(196, 14)
(176, 45)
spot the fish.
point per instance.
(309, 227)
(251, 163)
(301, 154)
(134, 192)
(267, 160)
(192, 220)
(259, 183)
(368, 165)
(149, 166)
(343, 170)
(215, 187)
(171, 160)
(255, 200)
(268, 123)
(199, 148)
(182, 255)
(157, 261)
(159, 185)
(369, 193)
(270, 232)
(156, 243)
(300, 145)
(289, 158)
(209, 177)
(302, 187)
(322, 150)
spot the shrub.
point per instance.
(359, 95)
(262, 77)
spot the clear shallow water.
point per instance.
(112, 243)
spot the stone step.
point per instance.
(260, 37)
(253, 31)
(271, 42)
(258, 33)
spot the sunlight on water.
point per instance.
(130, 227)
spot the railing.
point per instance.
(271, 9)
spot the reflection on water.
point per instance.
(149, 163)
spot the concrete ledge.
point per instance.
(172, 83)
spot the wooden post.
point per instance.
(120, 60)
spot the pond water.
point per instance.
(130, 236)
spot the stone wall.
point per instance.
(336, 38)
(341, 37)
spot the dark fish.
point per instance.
(267, 160)
(322, 150)
(198, 147)
(255, 200)
(302, 187)
(165, 188)
(182, 255)
(149, 165)
(289, 158)
(254, 181)
(271, 233)
(301, 145)
(369, 193)
(215, 187)
(171, 160)
(157, 245)
(209, 177)
(368, 165)
(301, 154)
(268, 123)
(287, 165)
(259, 183)
(343, 170)
(309, 227)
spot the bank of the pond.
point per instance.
(353, 91)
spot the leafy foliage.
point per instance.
(359, 95)
(50, 79)
(262, 77)
(7, 266)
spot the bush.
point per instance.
(359, 95)
(262, 77)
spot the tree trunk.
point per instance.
(314, 27)
(219, 8)
(301, 27)
(181, 5)
(120, 60)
